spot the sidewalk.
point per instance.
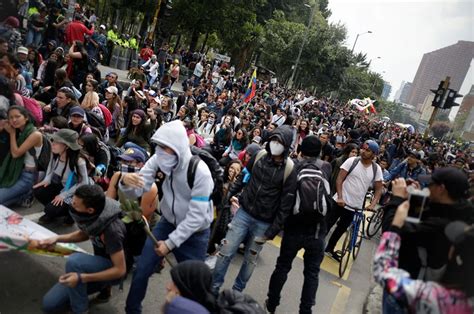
(125, 82)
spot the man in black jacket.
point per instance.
(265, 203)
(302, 231)
(424, 247)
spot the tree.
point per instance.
(440, 129)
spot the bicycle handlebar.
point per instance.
(353, 208)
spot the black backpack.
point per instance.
(96, 124)
(113, 167)
(216, 171)
(42, 161)
(312, 191)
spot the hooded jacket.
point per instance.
(188, 210)
(265, 197)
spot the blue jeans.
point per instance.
(18, 191)
(241, 226)
(193, 248)
(60, 296)
(33, 38)
(291, 243)
(135, 146)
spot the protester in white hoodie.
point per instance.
(186, 213)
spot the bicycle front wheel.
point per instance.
(345, 252)
(374, 224)
(358, 242)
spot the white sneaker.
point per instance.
(211, 261)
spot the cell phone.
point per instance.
(418, 200)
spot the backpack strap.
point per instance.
(374, 169)
(259, 156)
(354, 164)
(288, 169)
(193, 164)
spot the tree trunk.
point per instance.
(194, 40)
(204, 42)
(178, 40)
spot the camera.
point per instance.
(418, 200)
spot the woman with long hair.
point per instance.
(47, 93)
(78, 62)
(77, 121)
(95, 153)
(239, 142)
(18, 169)
(167, 109)
(138, 131)
(208, 129)
(222, 137)
(302, 131)
(7, 95)
(66, 172)
(46, 72)
(113, 103)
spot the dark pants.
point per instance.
(345, 217)
(45, 195)
(313, 256)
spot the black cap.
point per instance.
(414, 153)
(454, 180)
(310, 146)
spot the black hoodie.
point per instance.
(265, 197)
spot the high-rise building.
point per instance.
(461, 122)
(452, 61)
(403, 92)
(387, 88)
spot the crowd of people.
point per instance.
(84, 146)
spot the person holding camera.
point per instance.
(402, 293)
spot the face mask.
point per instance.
(129, 169)
(166, 161)
(210, 120)
(276, 148)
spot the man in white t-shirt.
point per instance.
(351, 187)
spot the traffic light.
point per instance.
(439, 93)
(452, 95)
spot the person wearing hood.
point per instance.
(186, 212)
(264, 204)
(98, 219)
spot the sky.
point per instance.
(402, 31)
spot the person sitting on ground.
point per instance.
(138, 131)
(98, 219)
(18, 169)
(61, 106)
(66, 172)
(96, 154)
(77, 122)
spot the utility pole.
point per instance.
(438, 102)
(151, 33)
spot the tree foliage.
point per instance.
(440, 129)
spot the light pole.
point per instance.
(290, 81)
(357, 37)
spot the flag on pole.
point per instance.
(251, 89)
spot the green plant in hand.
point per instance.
(133, 213)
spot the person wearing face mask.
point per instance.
(186, 213)
(263, 206)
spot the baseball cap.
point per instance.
(112, 90)
(102, 26)
(454, 180)
(78, 111)
(152, 93)
(414, 153)
(132, 154)
(23, 50)
(371, 145)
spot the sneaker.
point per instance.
(336, 256)
(45, 220)
(268, 309)
(104, 295)
(211, 261)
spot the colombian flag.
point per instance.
(250, 93)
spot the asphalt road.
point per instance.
(25, 278)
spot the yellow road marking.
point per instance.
(342, 296)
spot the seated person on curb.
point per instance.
(402, 294)
(98, 219)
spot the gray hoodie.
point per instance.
(189, 210)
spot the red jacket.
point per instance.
(76, 31)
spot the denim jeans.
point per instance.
(313, 256)
(18, 191)
(241, 226)
(60, 296)
(193, 248)
(33, 38)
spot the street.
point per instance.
(26, 278)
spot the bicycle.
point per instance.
(374, 223)
(352, 239)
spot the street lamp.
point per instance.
(357, 37)
(290, 81)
